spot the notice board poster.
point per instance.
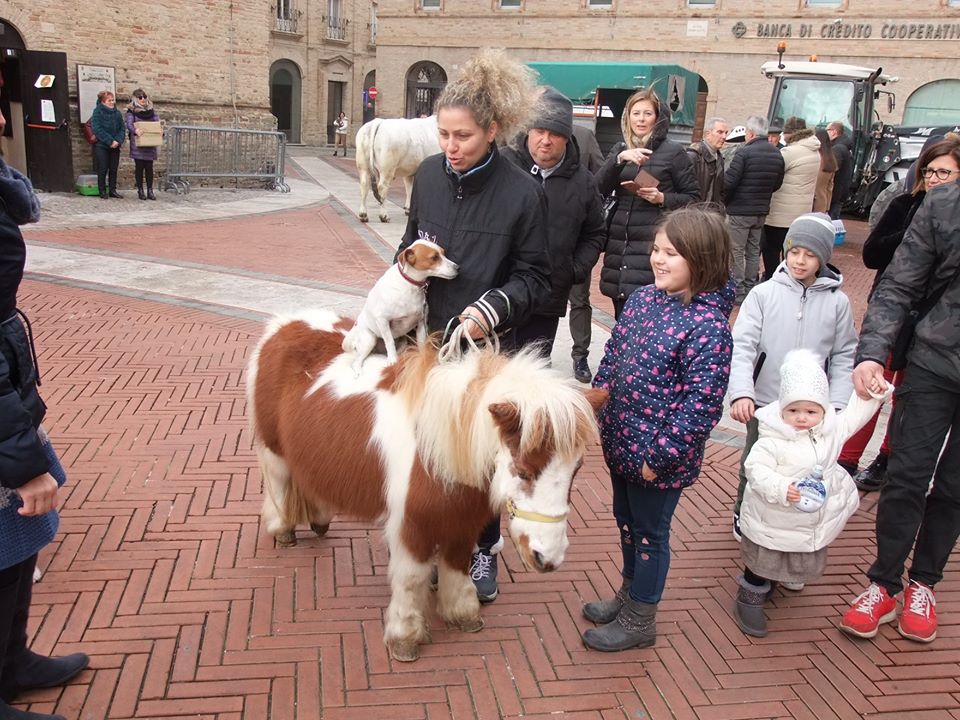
(91, 79)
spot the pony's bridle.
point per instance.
(516, 512)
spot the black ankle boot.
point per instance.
(150, 195)
(634, 626)
(603, 611)
(9, 713)
(31, 672)
(873, 476)
(140, 193)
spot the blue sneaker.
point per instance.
(483, 572)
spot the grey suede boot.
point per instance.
(634, 626)
(748, 611)
(603, 611)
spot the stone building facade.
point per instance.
(725, 41)
(223, 63)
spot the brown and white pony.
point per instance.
(430, 449)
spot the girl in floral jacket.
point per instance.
(666, 366)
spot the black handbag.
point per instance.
(609, 209)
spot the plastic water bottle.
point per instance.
(813, 493)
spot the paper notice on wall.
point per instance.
(47, 113)
(44, 81)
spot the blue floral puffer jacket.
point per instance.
(666, 366)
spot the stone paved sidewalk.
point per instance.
(161, 573)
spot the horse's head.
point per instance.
(542, 446)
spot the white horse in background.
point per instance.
(392, 148)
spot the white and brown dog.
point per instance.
(397, 302)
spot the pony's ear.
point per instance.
(507, 417)
(597, 397)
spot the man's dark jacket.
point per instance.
(575, 227)
(754, 175)
(708, 169)
(928, 259)
(843, 152)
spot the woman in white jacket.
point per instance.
(801, 160)
(787, 521)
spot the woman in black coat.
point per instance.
(30, 473)
(668, 182)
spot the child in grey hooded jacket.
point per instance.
(801, 306)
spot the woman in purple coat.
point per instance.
(141, 109)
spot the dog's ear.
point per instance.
(410, 257)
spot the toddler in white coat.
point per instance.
(786, 533)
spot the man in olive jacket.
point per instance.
(924, 275)
(576, 230)
(707, 160)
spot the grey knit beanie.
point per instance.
(814, 232)
(553, 111)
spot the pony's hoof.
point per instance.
(384, 218)
(470, 625)
(287, 539)
(320, 530)
(364, 218)
(404, 651)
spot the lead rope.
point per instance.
(453, 349)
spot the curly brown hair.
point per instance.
(495, 89)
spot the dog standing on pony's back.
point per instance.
(392, 148)
(428, 448)
(397, 302)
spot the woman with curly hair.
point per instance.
(490, 217)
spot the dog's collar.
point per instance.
(418, 283)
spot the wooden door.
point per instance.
(46, 128)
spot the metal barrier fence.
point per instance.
(208, 152)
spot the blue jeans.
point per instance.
(644, 515)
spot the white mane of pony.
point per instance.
(457, 437)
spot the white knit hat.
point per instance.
(802, 378)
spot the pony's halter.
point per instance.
(516, 512)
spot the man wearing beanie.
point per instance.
(801, 306)
(549, 152)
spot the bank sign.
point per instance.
(838, 30)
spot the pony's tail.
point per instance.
(372, 164)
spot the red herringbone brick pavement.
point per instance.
(161, 573)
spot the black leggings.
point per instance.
(771, 248)
(143, 168)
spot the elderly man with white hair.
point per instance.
(707, 160)
(755, 173)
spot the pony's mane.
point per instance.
(457, 437)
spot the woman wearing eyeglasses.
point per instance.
(938, 164)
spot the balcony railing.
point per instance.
(337, 28)
(286, 24)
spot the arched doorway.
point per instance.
(369, 105)
(425, 81)
(936, 103)
(36, 104)
(285, 92)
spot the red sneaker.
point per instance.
(870, 609)
(918, 621)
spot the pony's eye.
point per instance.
(523, 475)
